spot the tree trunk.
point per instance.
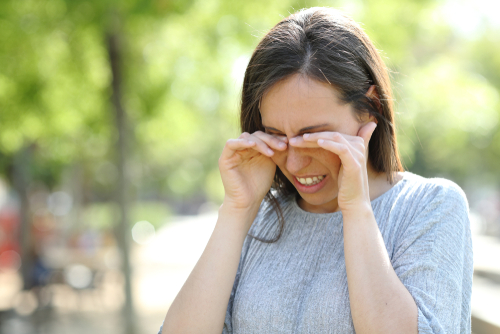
(20, 183)
(123, 230)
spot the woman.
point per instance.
(321, 230)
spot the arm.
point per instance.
(433, 259)
(380, 303)
(201, 304)
(247, 173)
(427, 284)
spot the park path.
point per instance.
(162, 265)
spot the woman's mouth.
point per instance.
(309, 181)
(309, 184)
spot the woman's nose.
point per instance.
(296, 160)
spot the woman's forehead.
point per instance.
(300, 85)
(299, 101)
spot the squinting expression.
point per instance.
(299, 105)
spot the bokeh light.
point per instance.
(59, 203)
(10, 261)
(143, 232)
(78, 276)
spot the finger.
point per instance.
(342, 150)
(310, 141)
(366, 132)
(275, 142)
(330, 135)
(282, 138)
(355, 142)
(233, 145)
(299, 141)
(260, 145)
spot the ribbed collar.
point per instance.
(297, 211)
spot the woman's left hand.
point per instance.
(353, 153)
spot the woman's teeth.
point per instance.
(310, 181)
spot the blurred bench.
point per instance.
(480, 326)
(486, 285)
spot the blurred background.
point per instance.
(113, 115)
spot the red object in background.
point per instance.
(9, 241)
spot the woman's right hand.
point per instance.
(247, 169)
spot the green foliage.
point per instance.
(183, 63)
(455, 116)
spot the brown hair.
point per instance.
(328, 46)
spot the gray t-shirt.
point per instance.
(299, 284)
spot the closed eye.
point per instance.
(307, 129)
(283, 135)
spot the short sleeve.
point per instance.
(433, 259)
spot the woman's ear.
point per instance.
(372, 94)
(366, 117)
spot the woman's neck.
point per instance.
(378, 182)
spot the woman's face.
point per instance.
(299, 105)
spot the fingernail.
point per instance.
(306, 135)
(281, 144)
(320, 141)
(293, 140)
(270, 151)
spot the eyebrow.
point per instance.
(307, 128)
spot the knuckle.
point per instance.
(337, 136)
(277, 140)
(360, 146)
(343, 149)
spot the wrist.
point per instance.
(358, 212)
(238, 216)
(230, 206)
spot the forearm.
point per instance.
(201, 304)
(380, 303)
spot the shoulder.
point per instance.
(435, 222)
(434, 193)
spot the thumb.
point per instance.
(366, 132)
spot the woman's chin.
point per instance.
(318, 204)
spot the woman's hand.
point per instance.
(247, 169)
(353, 153)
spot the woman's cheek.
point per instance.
(335, 165)
(278, 158)
(329, 159)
